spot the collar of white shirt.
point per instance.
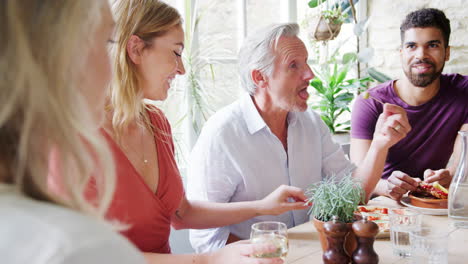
(252, 117)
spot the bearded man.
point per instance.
(436, 105)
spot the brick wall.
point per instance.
(384, 32)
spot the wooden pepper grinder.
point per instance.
(336, 232)
(365, 232)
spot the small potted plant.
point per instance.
(335, 197)
(328, 25)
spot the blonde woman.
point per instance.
(149, 195)
(49, 103)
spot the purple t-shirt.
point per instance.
(434, 125)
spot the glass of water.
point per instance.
(275, 233)
(429, 245)
(402, 222)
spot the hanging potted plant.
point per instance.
(333, 197)
(328, 24)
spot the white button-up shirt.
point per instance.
(237, 158)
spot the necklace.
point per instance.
(145, 161)
(140, 154)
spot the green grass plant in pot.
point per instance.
(335, 197)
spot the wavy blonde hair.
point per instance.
(41, 107)
(146, 19)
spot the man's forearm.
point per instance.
(381, 188)
(371, 168)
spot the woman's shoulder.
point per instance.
(156, 114)
(58, 234)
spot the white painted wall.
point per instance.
(384, 32)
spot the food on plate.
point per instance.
(378, 215)
(430, 191)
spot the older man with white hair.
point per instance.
(269, 137)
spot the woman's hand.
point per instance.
(283, 199)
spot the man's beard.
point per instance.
(424, 79)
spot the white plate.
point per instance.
(428, 211)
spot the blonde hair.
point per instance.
(41, 107)
(146, 19)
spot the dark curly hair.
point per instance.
(427, 17)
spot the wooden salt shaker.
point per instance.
(336, 232)
(365, 232)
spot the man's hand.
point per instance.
(443, 176)
(279, 201)
(400, 183)
(392, 126)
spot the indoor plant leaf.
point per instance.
(315, 3)
(349, 57)
(377, 75)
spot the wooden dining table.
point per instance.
(304, 244)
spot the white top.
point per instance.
(35, 232)
(238, 158)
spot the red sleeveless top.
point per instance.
(148, 214)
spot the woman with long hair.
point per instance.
(150, 197)
(51, 104)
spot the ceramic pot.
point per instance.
(321, 30)
(432, 203)
(350, 240)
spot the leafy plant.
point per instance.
(334, 15)
(377, 75)
(341, 11)
(195, 96)
(332, 197)
(335, 91)
(200, 99)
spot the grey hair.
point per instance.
(258, 52)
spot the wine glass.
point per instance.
(275, 233)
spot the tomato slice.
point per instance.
(363, 209)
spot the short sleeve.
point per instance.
(364, 116)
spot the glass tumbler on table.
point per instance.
(402, 222)
(275, 233)
(429, 245)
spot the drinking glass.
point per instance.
(275, 233)
(429, 245)
(402, 222)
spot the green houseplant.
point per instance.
(330, 18)
(336, 91)
(328, 24)
(333, 197)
